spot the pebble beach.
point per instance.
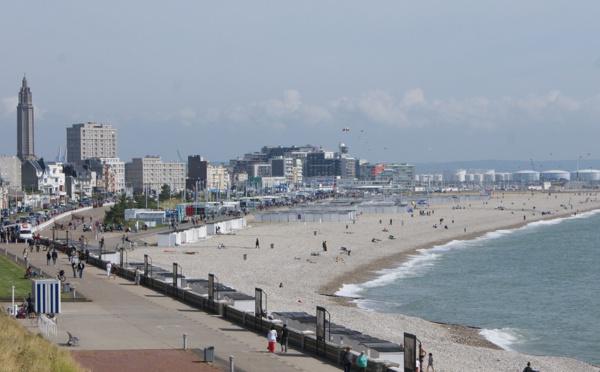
(298, 275)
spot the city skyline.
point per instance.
(426, 86)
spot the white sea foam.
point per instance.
(419, 263)
(503, 337)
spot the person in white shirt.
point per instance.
(272, 338)
(108, 268)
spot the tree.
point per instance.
(165, 192)
(116, 214)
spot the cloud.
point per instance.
(411, 109)
(276, 113)
(8, 105)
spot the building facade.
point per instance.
(53, 180)
(218, 178)
(197, 175)
(25, 128)
(91, 140)
(10, 172)
(152, 173)
(113, 174)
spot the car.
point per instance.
(25, 232)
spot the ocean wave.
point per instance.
(418, 264)
(556, 221)
(503, 337)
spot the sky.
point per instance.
(419, 81)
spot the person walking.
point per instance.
(430, 362)
(54, 257)
(272, 339)
(48, 257)
(74, 267)
(283, 339)
(324, 245)
(108, 269)
(257, 245)
(347, 359)
(80, 267)
(362, 361)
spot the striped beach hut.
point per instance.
(46, 296)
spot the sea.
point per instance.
(534, 289)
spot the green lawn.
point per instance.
(12, 274)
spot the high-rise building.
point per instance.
(197, 173)
(91, 140)
(25, 129)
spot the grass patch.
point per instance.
(13, 274)
(22, 351)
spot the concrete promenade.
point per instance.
(122, 316)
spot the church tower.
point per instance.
(25, 145)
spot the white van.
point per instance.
(25, 232)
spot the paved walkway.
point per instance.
(125, 316)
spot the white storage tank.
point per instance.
(460, 175)
(586, 175)
(489, 176)
(526, 176)
(555, 175)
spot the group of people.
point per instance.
(273, 337)
(348, 360)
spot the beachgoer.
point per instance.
(108, 269)
(347, 360)
(272, 339)
(390, 222)
(54, 256)
(48, 258)
(283, 339)
(257, 245)
(417, 366)
(361, 361)
(430, 363)
(324, 245)
(528, 368)
(422, 354)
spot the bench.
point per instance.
(73, 340)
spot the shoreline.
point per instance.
(299, 274)
(461, 333)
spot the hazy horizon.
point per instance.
(413, 82)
